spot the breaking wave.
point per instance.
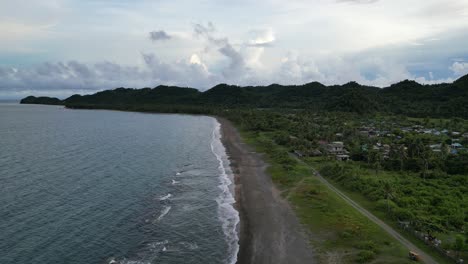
(165, 197)
(164, 212)
(228, 215)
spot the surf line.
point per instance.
(228, 215)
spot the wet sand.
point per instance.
(270, 232)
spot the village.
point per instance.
(409, 155)
(387, 142)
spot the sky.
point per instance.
(62, 47)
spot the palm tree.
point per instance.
(388, 193)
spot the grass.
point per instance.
(371, 207)
(338, 232)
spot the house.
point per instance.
(455, 147)
(386, 151)
(373, 134)
(364, 133)
(436, 147)
(316, 153)
(336, 148)
(298, 153)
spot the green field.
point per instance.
(338, 232)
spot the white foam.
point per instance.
(165, 197)
(129, 261)
(177, 174)
(189, 245)
(164, 212)
(228, 215)
(174, 182)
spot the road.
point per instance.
(424, 257)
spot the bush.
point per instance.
(403, 214)
(367, 245)
(365, 256)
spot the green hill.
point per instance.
(406, 97)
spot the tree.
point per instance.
(376, 158)
(388, 193)
(459, 244)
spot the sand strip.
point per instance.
(270, 232)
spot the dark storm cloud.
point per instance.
(69, 77)
(159, 35)
(237, 64)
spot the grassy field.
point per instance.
(338, 232)
(372, 207)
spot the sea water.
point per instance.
(95, 186)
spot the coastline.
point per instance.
(269, 230)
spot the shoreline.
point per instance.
(269, 230)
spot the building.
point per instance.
(337, 149)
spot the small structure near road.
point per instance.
(414, 256)
(337, 149)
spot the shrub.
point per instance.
(365, 256)
(367, 245)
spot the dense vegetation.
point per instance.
(41, 100)
(413, 183)
(409, 169)
(407, 97)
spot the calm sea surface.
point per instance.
(87, 186)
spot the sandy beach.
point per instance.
(269, 230)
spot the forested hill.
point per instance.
(407, 97)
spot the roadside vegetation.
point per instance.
(419, 190)
(339, 233)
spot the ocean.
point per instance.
(96, 186)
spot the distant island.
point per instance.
(407, 98)
(41, 100)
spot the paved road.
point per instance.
(424, 257)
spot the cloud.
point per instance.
(159, 35)
(236, 65)
(66, 78)
(459, 68)
(358, 1)
(262, 38)
(205, 57)
(204, 30)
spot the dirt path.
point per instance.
(270, 232)
(424, 257)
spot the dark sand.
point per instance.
(270, 233)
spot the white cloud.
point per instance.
(261, 37)
(297, 41)
(459, 68)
